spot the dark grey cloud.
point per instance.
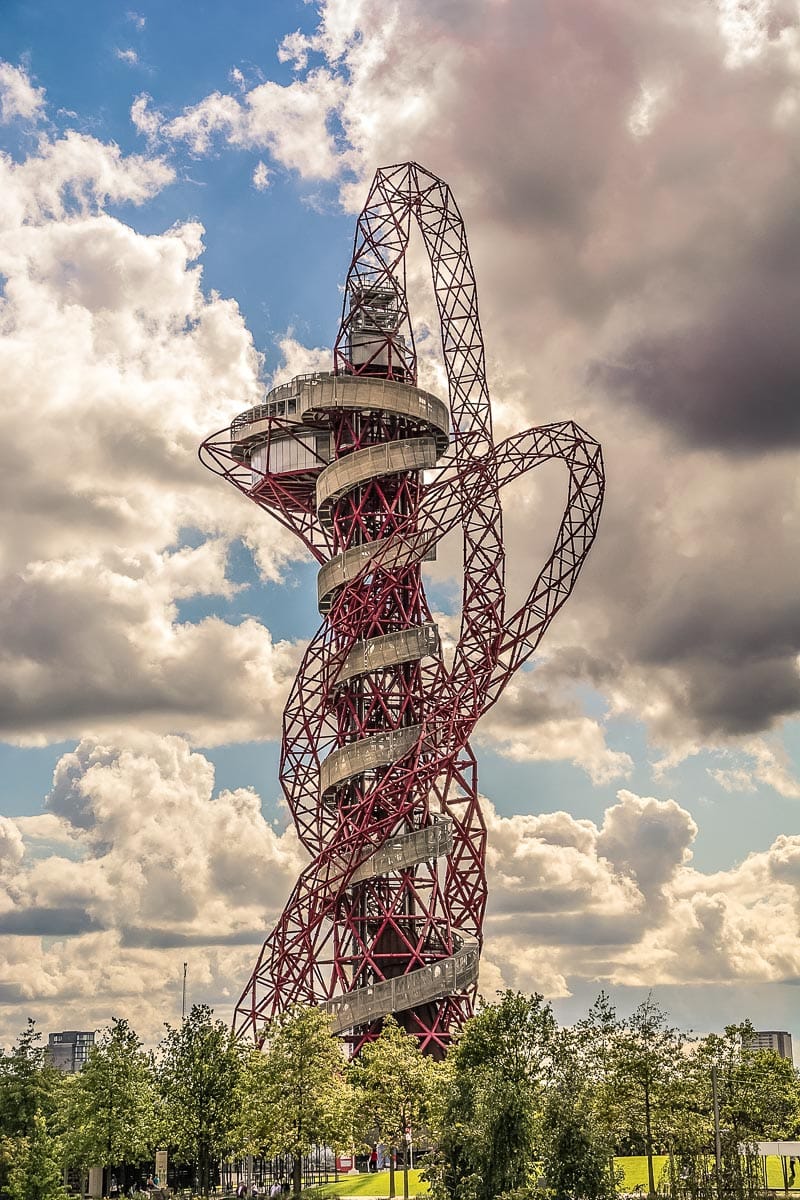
(571, 928)
(543, 901)
(528, 707)
(699, 616)
(727, 627)
(39, 921)
(77, 651)
(730, 379)
(735, 700)
(142, 937)
(10, 993)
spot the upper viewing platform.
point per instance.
(307, 401)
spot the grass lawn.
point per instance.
(376, 1184)
(634, 1170)
(775, 1174)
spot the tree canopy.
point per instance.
(519, 1107)
(29, 1084)
(490, 1118)
(112, 1103)
(198, 1067)
(394, 1084)
(293, 1094)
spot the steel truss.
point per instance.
(376, 764)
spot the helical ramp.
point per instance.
(371, 472)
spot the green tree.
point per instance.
(29, 1084)
(759, 1100)
(294, 1094)
(30, 1093)
(112, 1102)
(686, 1127)
(490, 1115)
(758, 1090)
(648, 1052)
(595, 1039)
(576, 1147)
(36, 1167)
(198, 1067)
(394, 1084)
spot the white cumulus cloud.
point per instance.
(152, 867)
(577, 904)
(113, 366)
(147, 866)
(292, 122)
(19, 98)
(261, 177)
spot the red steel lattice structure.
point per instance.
(371, 472)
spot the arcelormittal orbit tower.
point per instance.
(371, 472)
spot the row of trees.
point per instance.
(201, 1094)
(519, 1104)
(527, 1104)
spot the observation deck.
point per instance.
(299, 408)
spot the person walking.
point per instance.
(373, 1159)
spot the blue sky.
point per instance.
(180, 62)
(614, 254)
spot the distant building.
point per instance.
(69, 1050)
(773, 1039)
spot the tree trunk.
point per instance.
(391, 1173)
(648, 1134)
(405, 1172)
(297, 1174)
(203, 1171)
